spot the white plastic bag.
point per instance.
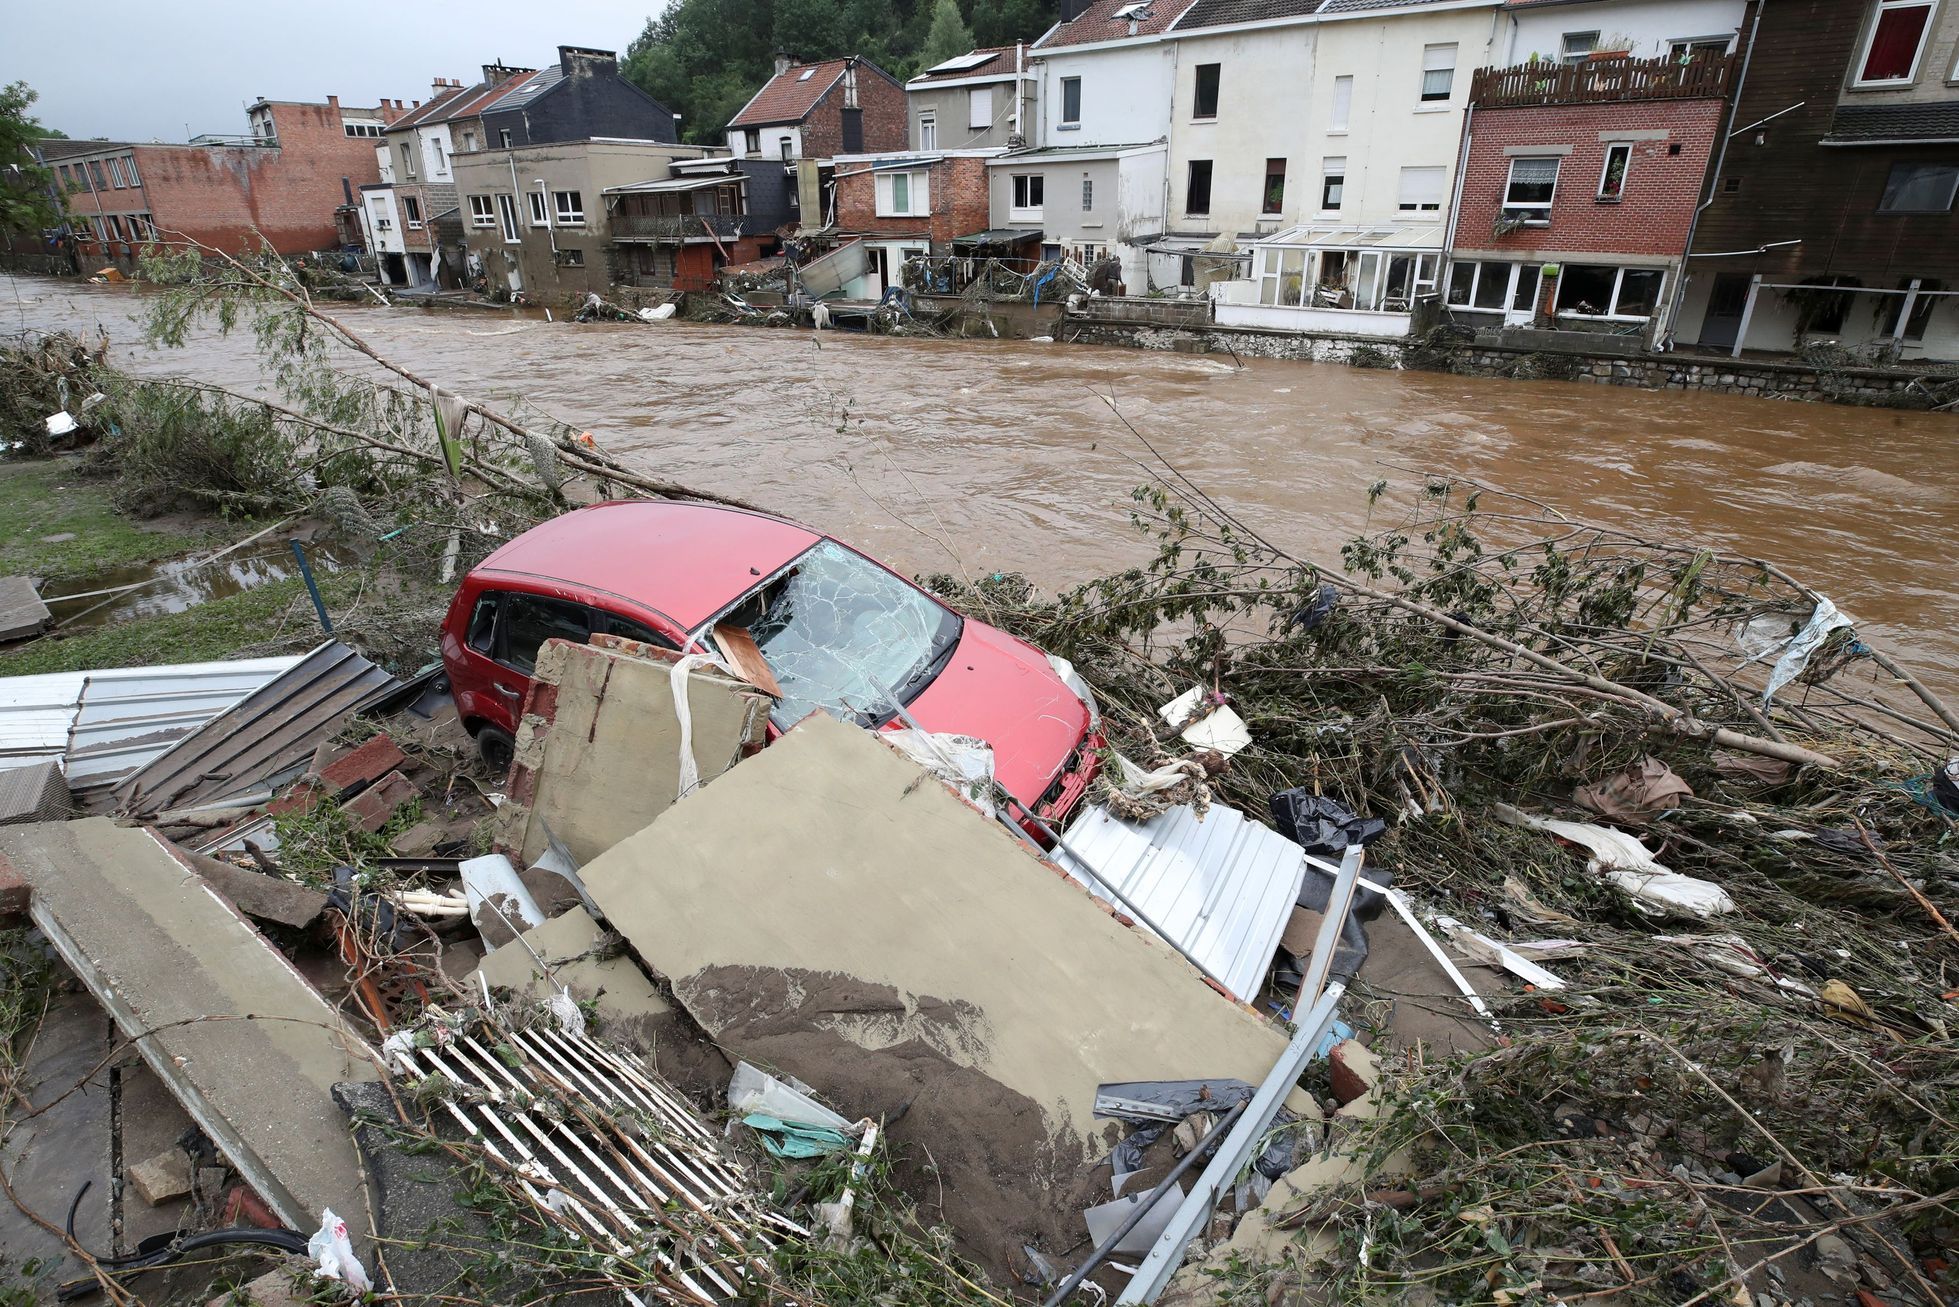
(335, 1253)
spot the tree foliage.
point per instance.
(26, 200)
(704, 58)
(948, 37)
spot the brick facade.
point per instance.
(227, 196)
(958, 193)
(882, 103)
(1662, 187)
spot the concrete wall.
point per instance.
(542, 254)
(1648, 27)
(949, 106)
(1265, 97)
(1390, 127)
(1125, 94)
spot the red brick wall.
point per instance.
(885, 125)
(1661, 188)
(958, 194)
(219, 195)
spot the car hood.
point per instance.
(1003, 691)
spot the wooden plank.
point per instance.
(745, 657)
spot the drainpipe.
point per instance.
(1663, 338)
(1455, 197)
(1019, 91)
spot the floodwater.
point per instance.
(976, 456)
(117, 594)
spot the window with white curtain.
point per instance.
(1438, 71)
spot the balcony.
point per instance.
(1601, 81)
(678, 228)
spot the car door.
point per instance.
(522, 623)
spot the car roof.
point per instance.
(686, 560)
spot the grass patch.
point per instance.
(50, 497)
(218, 628)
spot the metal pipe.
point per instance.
(1145, 1206)
(1339, 902)
(312, 586)
(1234, 1153)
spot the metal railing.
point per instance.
(674, 227)
(1600, 81)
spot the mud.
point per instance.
(1000, 1179)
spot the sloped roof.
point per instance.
(789, 96)
(1858, 124)
(526, 89)
(1218, 13)
(55, 147)
(480, 97)
(1099, 22)
(1360, 6)
(430, 110)
(999, 62)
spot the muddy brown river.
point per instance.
(1005, 455)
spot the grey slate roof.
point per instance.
(527, 90)
(1858, 123)
(1217, 13)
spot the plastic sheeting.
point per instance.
(1629, 865)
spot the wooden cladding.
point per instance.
(1596, 81)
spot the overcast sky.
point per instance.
(140, 72)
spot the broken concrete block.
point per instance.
(829, 911)
(419, 840)
(372, 807)
(1355, 1070)
(273, 1289)
(362, 766)
(165, 956)
(258, 895)
(21, 611)
(163, 1177)
(36, 792)
(598, 749)
(15, 893)
(576, 951)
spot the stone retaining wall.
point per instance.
(1882, 387)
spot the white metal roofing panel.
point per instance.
(35, 714)
(1223, 887)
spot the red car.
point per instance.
(841, 634)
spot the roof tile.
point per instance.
(1858, 123)
(789, 95)
(1099, 22)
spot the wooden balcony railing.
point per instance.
(1601, 81)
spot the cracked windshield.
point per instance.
(844, 635)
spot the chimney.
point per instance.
(347, 188)
(1073, 9)
(498, 71)
(333, 103)
(782, 61)
(441, 85)
(577, 61)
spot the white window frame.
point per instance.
(408, 159)
(1217, 96)
(129, 167)
(540, 208)
(507, 218)
(1328, 170)
(1681, 48)
(1342, 113)
(441, 168)
(115, 175)
(1870, 39)
(482, 211)
(1432, 56)
(1612, 313)
(1076, 121)
(1088, 193)
(1605, 169)
(928, 130)
(1020, 196)
(568, 208)
(979, 108)
(1566, 55)
(411, 212)
(1441, 174)
(918, 194)
(1534, 212)
(1512, 276)
(503, 138)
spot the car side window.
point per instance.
(626, 628)
(529, 620)
(483, 623)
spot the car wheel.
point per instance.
(496, 748)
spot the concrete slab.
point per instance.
(575, 949)
(830, 910)
(21, 611)
(243, 1042)
(598, 749)
(51, 1156)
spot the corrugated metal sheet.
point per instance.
(1222, 887)
(268, 734)
(102, 724)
